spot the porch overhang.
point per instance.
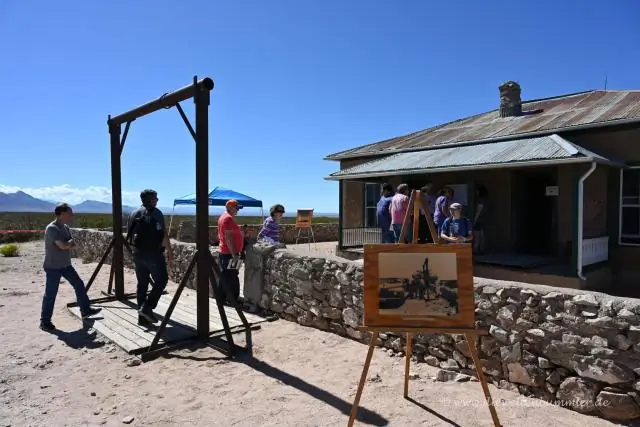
(529, 152)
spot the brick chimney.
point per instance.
(510, 102)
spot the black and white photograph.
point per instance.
(418, 284)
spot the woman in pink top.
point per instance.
(398, 209)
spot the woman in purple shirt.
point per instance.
(441, 210)
(270, 231)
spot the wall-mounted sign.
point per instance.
(552, 190)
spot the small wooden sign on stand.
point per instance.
(303, 222)
(419, 288)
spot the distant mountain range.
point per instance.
(23, 202)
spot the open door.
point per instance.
(533, 213)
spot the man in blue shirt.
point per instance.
(456, 228)
(384, 214)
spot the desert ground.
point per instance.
(298, 377)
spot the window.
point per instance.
(630, 206)
(371, 197)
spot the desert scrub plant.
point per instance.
(9, 250)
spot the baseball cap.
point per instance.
(233, 204)
(455, 206)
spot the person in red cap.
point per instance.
(231, 245)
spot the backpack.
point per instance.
(144, 232)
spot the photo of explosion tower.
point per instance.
(429, 288)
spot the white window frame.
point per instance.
(622, 205)
(374, 206)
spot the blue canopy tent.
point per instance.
(218, 197)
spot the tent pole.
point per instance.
(171, 220)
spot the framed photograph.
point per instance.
(418, 285)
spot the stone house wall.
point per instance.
(578, 347)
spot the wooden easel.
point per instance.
(469, 333)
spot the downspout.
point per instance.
(581, 216)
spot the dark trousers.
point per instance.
(150, 264)
(231, 277)
(51, 290)
(424, 235)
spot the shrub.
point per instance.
(9, 250)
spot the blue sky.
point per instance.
(295, 81)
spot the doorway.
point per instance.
(533, 213)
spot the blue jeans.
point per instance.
(52, 283)
(397, 228)
(387, 236)
(150, 264)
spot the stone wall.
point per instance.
(322, 232)
(577, 347)
(580, 348)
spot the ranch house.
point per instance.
(563, 177)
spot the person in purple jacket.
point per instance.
(441, 210)
(270, 231)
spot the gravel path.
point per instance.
(299, 377)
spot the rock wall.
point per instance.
(575, 347)
(322, 232)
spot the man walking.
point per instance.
(384, 214)
(149, 239)
(57, 264)
(231, 246)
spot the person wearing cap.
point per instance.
(456, 228)
(231, 246)
(270, 231)
(149, 240)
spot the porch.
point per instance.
(538, 206)
(511, 265)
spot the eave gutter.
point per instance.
(581, 181)
(635, 120)
(383, 174)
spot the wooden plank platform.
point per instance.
(118, 321)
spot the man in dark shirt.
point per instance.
(149, 240)
(384, 215)
(57, 264)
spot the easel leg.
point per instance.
(363, 378)
(483, 381)
(407, 364)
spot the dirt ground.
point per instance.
(298, 377)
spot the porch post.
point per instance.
(613, 207)
(340, 211)
(575, 183)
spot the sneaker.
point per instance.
(148, 314)
(91, 312)
(47, 326)
(142, 321)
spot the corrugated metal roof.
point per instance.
(550, 149)
(557, 114)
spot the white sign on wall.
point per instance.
(552, 190)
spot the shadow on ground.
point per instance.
(365, 415)
(84, 337)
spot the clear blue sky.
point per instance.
(295, 81)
